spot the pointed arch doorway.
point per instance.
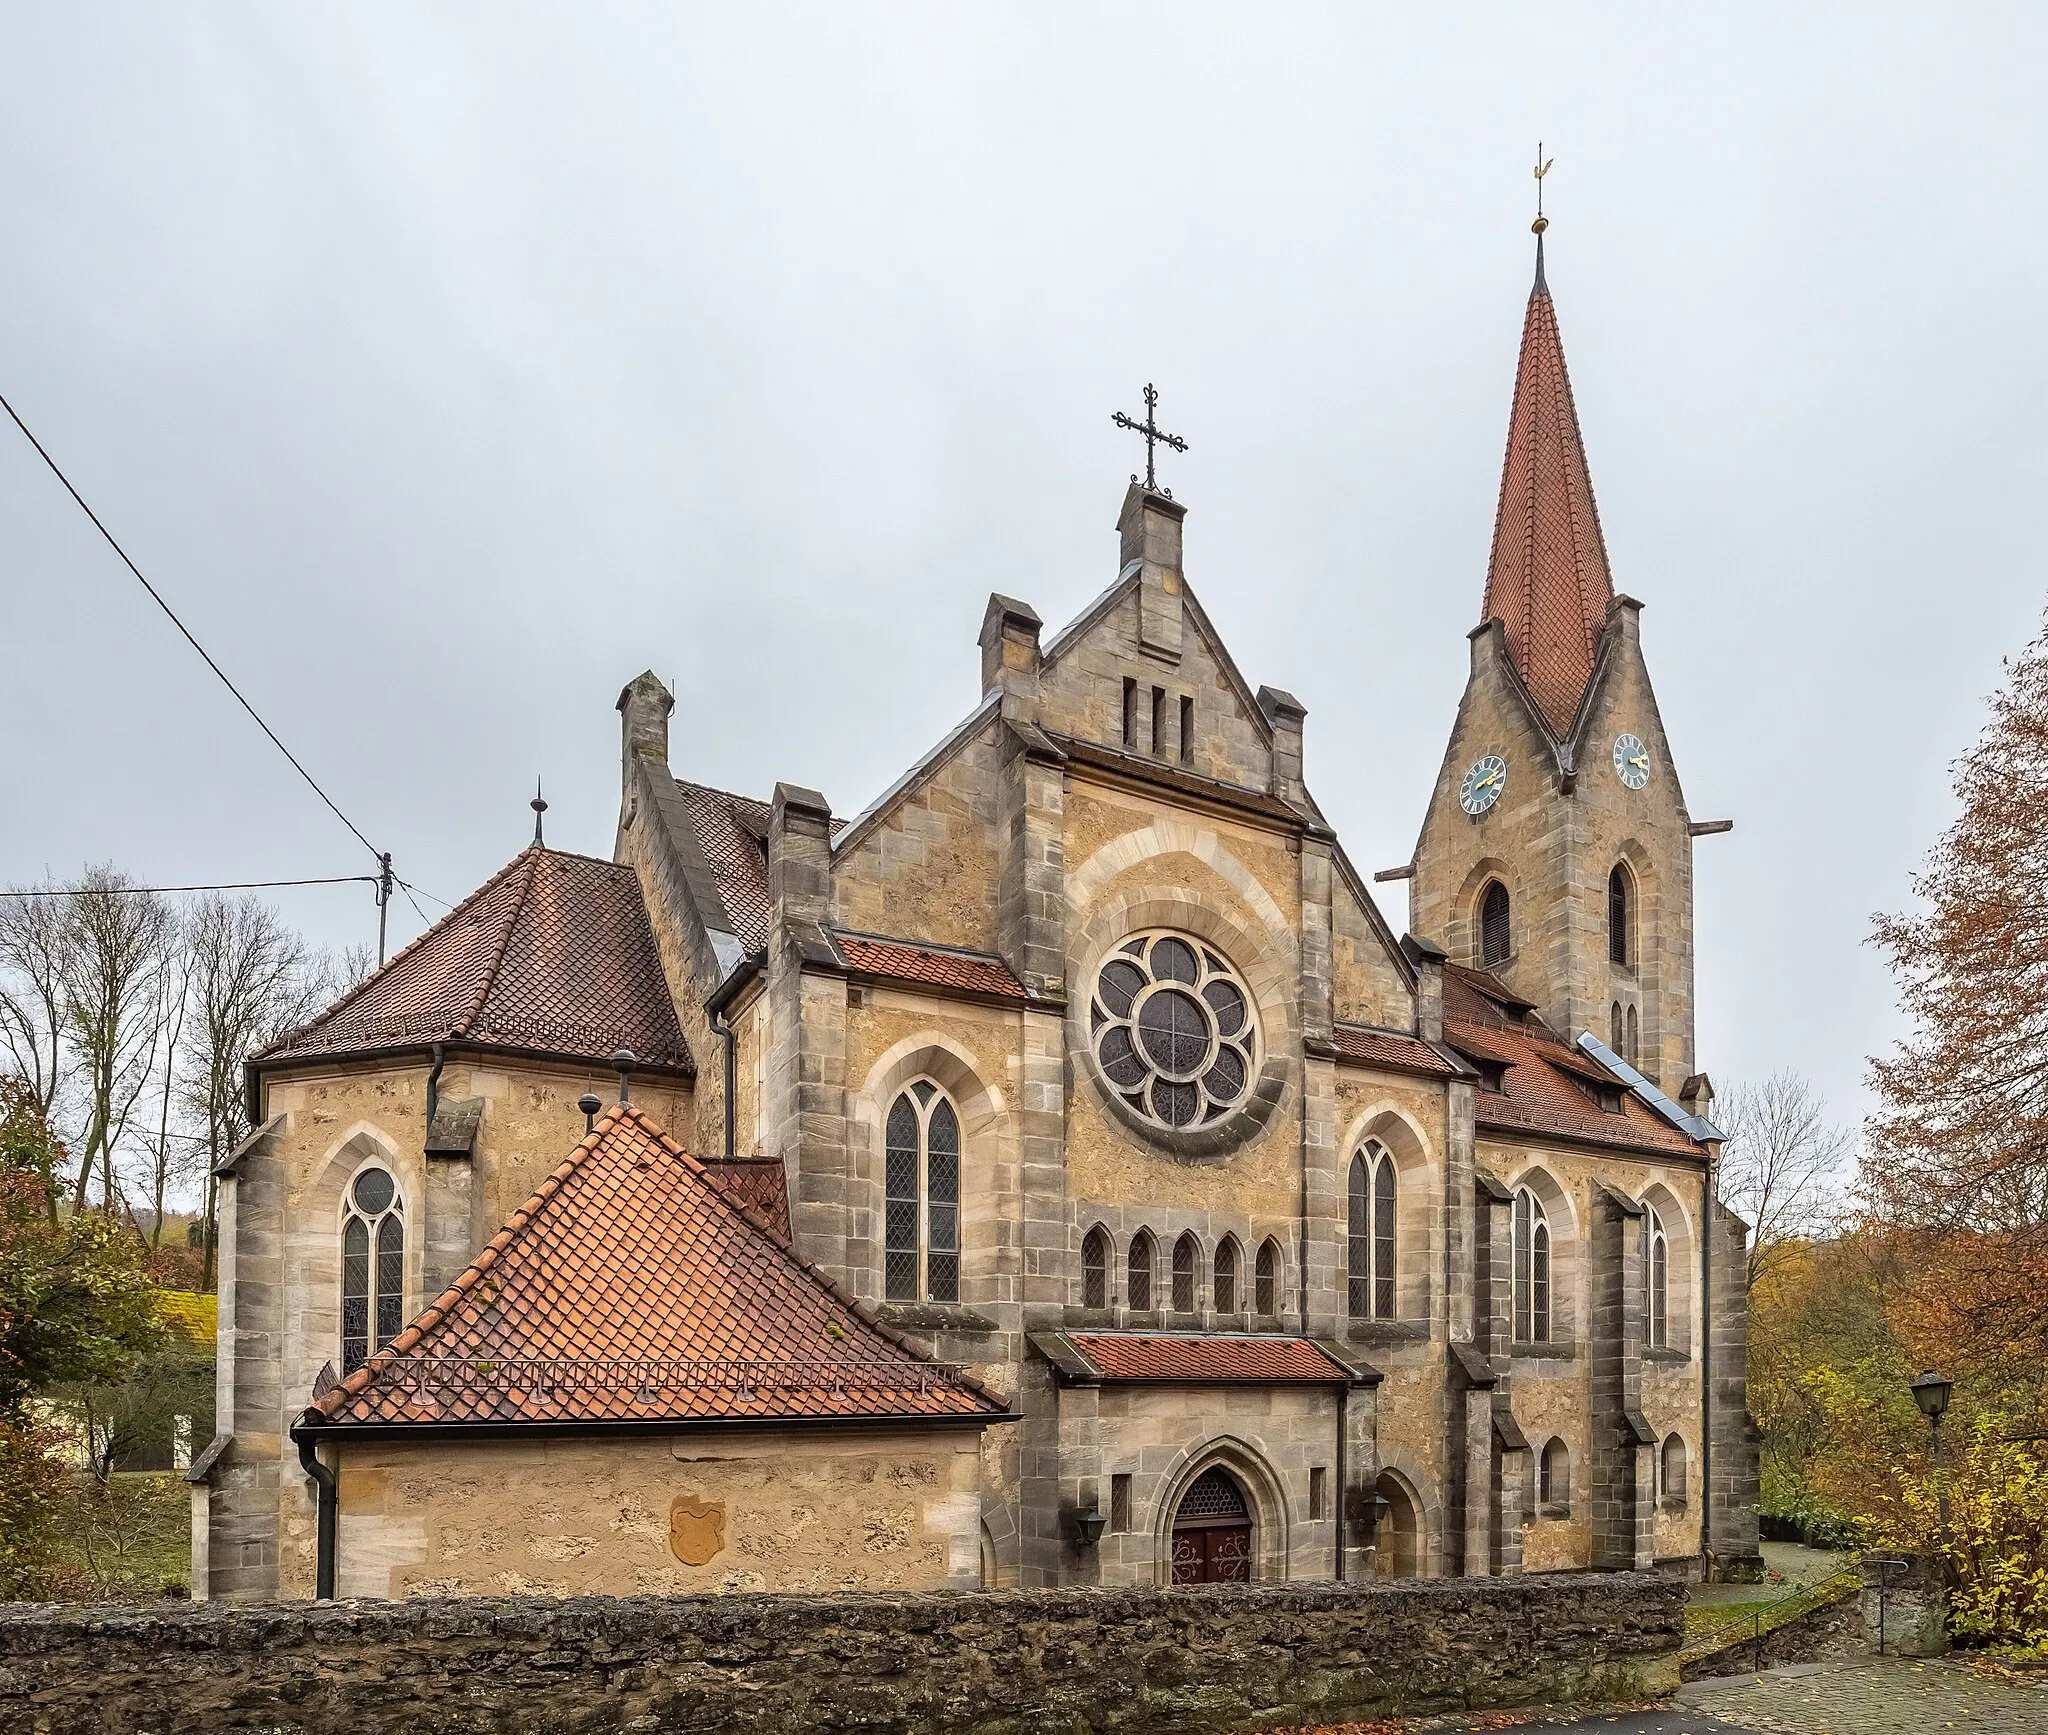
(1212, 1532)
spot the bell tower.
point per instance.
(1557, 850)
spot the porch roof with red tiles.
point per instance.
(927, 966)
(633, 1288)
(1187, 1358)
(552, 956)
(1392, 1050)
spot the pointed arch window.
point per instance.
(1186, 1256)
(1266, 1280)
(1631, 1051)
(1095, 1268)
(1496, 937)
(1671, 1470)
(921, 1251)
(1139, 1287)
(1554, 1477)
(372, 1267)
(1658, 1312)
(1532, 1269)
(1617, 1031)
(1372, 1240)
(1226, 1275)
(1620, 908)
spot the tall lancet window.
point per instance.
(1371, 1243)
(372, 1267)
(1620, 902)
(1532, 1269)
(921, 1253)
(1659, 1275)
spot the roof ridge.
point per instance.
(760, 1225)
(284, 1038)
(529, 857)
(576, 855)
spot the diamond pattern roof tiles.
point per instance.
(1548, 581)
(633, 1288)
(552, 955)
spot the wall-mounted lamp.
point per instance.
(1089, 1526)
(1377, 1511)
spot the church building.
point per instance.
(1058, 1172)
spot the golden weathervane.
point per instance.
(1542, 168)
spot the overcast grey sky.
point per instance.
(448, 365)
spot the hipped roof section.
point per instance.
(549, 957)
(552, 956)
(632, 1288)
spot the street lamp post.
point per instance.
(1930, 1391)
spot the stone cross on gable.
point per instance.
(1154, 436)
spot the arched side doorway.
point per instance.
(1398, 1534)
(1212, 1532)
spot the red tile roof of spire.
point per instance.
(1548, 583)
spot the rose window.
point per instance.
(1173, 1030)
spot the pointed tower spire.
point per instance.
(1548, 583)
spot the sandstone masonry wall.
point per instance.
(1137, 1661)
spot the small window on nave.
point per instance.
(1496, 937)
(1226, 1275)
(1186, 1257)
(1095, 1268)
(1554, 1478)
(921, 1207)
(1139, 1288)
(1266, 1280)
(1671, 1466)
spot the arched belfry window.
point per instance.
(1658, 1312)
(1496, 936)
(1095, 1268)
(1620, 910)
(921, 1249)
(1372, 1245)
(1532, 1269)
(372, 1267)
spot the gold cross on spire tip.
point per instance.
(1542, 168)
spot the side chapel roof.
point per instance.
(1548, 582)
(633, 1288)
(552, 955)
(1546, 1084)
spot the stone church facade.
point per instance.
(1059, 1172)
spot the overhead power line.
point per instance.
(221, 886)
(171, 613)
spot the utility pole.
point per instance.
(383, 903)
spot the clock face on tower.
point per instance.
(1631, 761)
(1483, 784)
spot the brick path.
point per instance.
(1896, 1696)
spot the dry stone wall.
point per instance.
(1134, 1662)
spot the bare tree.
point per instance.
(1781, 1168)
(115, 955)
(35, 938)
(169, 1154)
(252, 980)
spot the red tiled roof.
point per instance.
(732, 831)
(630, 1287)
(1538, 1094)
(1548, 581)
(1166, 1356)
(552, 955)
(902, 961)
(756, 1182)
(1385, 1048)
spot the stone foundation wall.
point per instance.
(1217, 1659)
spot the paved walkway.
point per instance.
(1894, 1696)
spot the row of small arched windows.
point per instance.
(1554, 1473)
(1181, 1284)
(1496, 921)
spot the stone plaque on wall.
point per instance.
(696, 1529)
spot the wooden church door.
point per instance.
(1212, 1532)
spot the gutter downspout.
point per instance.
(434, 1086)
(1343, 1428)
(714, 1011)
(1707, 1196)
(329, 1505)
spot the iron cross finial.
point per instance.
(1154, 436)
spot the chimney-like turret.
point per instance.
(644, 707)
(1010, 656)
